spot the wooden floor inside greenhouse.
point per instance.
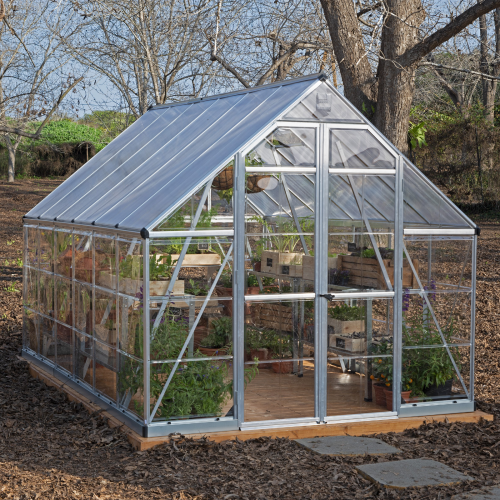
(261, 392)
(272, 396)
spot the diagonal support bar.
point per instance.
(191, 333)
(423, 293)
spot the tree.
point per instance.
(32, 80)
(149, 50)
(382, 74)
(257, 42)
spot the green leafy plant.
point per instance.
(345, 312)
(196, 289)
(265, 338)
(11, 288)
(221, 333)
(368, 253)
(198, 388)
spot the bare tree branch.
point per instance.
(460, 70)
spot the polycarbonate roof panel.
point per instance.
(204, 158)
(112, 153)
(164, 156)
(171, 151)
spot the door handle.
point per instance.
(328, 296)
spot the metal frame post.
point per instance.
(145, 333)
(398, 287)
(320, 276)
(473, 318)
(239, 287)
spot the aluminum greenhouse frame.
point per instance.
(125, 263)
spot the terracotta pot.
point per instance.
(261, 354)
(283, 367)
(208, 351)
(379, 390)
(252, 290)
(388, 398)
(228, 304)
(257, 266)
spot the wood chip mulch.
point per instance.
(53, 449)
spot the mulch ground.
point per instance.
(51, 448)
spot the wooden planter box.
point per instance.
(308, 266)
(133, 287)
(272, 262)
(273, 316)
(197, 259)
(367, 272)
(340, 327)
(346, 343)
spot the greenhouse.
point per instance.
(251, 260)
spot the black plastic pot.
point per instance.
(439, 390)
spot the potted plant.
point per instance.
(219, 340)
(348, 323)
(199, 290)
(284, 238)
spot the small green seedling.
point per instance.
(11, 288)
(10, 243)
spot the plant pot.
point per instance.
(379, 390)
(261, 354)
(388, 398)
(282, 367)
(252, 290)
(209, 351)
(222, 291)
(439, 390)
(257, 266)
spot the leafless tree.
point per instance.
(379, 45)
(259, 41)
(33, 77)
(151, 51)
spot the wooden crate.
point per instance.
(271, 260)
(197, 259)
(133, 287)
(291, 270)
(346, 343)
(308, 266)
(273, 316)
(340, 327)
(367, 272)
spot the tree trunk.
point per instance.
(489, 86)
(12, 162)
(396, 85)
(359, 83)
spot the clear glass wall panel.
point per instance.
(358, 148)
(130, 384)
(202, 384)
(105, 261)
(106, 369)
(84, 358)
(31, 242)
(64, 347)
(47, 249)
(361, 233)
(105, 317)
(46, 285)
(31, 285)
(131, 326)
(442, 262)
(63, 262)
(435, 374)
(31, 337)
(130, 267)
(279, 360)
(360, 356)
(83, 257)
(280, 243)
(83, 308)
(47, 338)
(64, 304)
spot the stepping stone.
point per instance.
(347, 445)
(418, 472)
(486, 493)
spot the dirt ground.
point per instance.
(53, 449)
